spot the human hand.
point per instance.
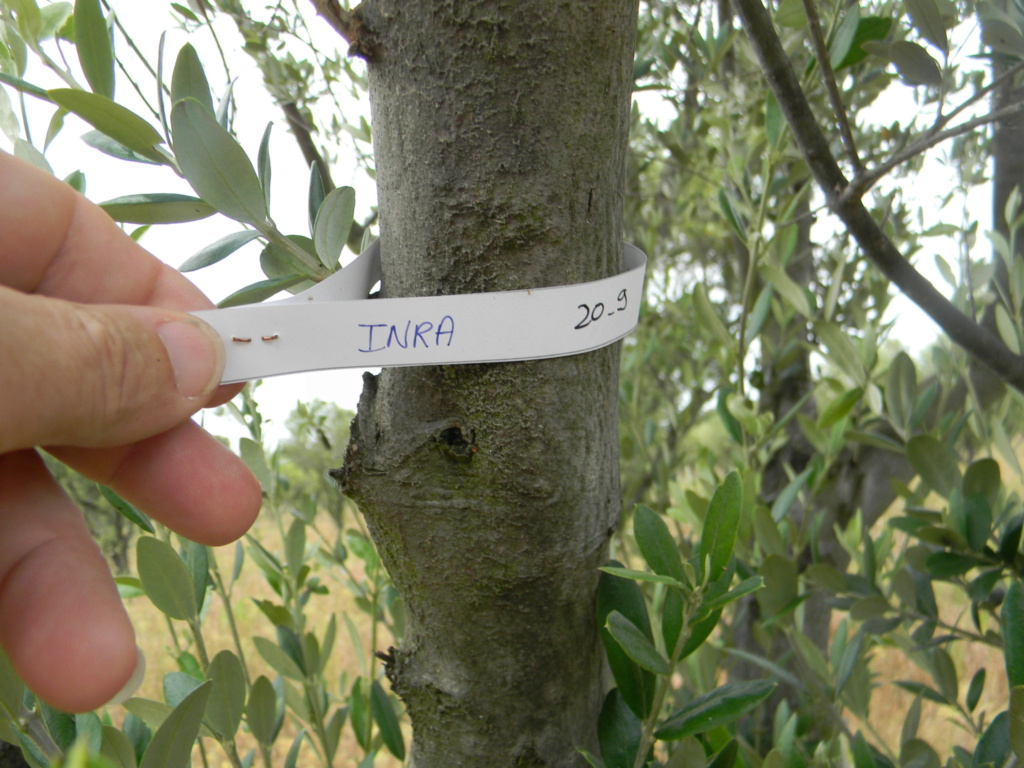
(100, 363)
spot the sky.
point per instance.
(108, 178)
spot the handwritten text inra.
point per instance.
(381, 336)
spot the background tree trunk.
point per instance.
(500, 133)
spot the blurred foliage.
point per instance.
(807, 494)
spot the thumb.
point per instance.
(99, 375)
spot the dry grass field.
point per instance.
(888, 707)
(155, 639)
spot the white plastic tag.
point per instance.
(335, 324)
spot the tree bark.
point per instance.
(500, 134)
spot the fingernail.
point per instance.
(196, 355)
(134, 682)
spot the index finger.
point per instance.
(57, 243)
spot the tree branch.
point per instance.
(828, 76)
(342, 20)
(304, 138)
(863, 182)
(349, 25)
(976, 340)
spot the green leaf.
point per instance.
(157, 208)
(652, 578)
(842, 350)
(276, 657)
(618, 731)
(9, 125)
(227, 696)
(113, 120)
(839, 407)
(774, 122)
(215, 165)
(89, 731)
(842, 40)
(127, 510)
(197, 559)
(255, 459)
(700, 631)
(1017, 721)
(1002, 36)
(263, 168)
(362, 718)
(672, 618)
(76, 180)
(914, 64)
(636, 645)
(744, 588)
(177, 685)
(188, 81)
(171, 746)
(1012, 618)
(871, 28)
(103, 143)
(977, 519)
(295, 545)
(55, 126)
(95, 52)
(730, 422)
(59, 725)
(30, 20)
(982, 478)
(719, 707)
(927, 20)
(260, 291)
(277, 261)
(656, 543)
(728, 207)
(945, 565)
(54, 17)
(635, 683)
(387, 721)
(785, 500)
(218, 250)
(944, 674)
(781, 581)
(759, 314)
(261, 710)
(317, 193)
(934, 462)
(593, 760)
(786, 287)
(292, 758)
(707, 315)
(791, 13)
(975, 689)
(166, 578)
(27, 152)
(720, 526)
(332, 225)
(901, 390)
(994, 745)
(117, 748)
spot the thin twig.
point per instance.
(978, 341)
(828, 76)
(982, 92)
(341, 20)
(862, 183)
(304, 137)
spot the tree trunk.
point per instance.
(500, 133)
